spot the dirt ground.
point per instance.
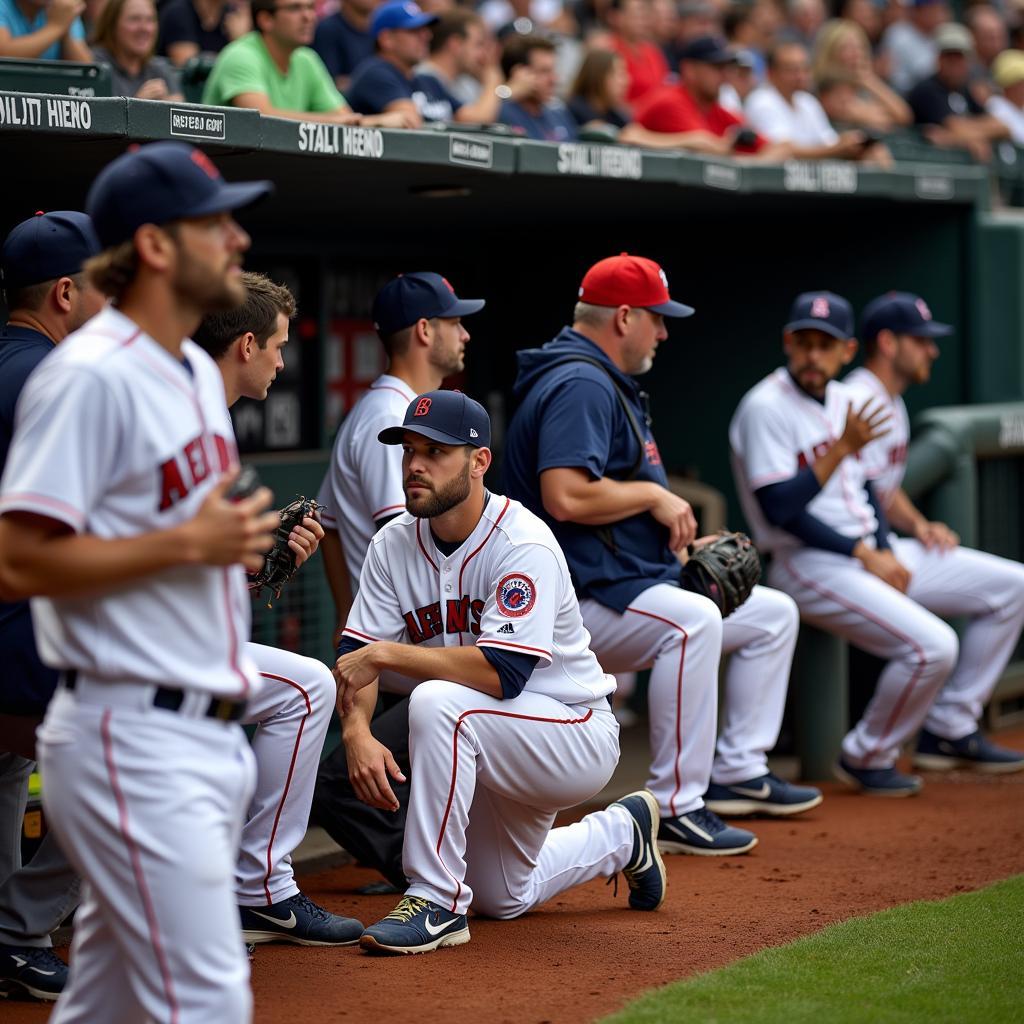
(585, 954)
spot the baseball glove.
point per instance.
(724, 570)
(279, 565)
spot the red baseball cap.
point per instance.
(626, 280)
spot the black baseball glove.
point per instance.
(725, 570)
(279, 566)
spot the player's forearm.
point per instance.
(576, 498)
(32, 45)
(825, 466)
(357, 722)
(33, 564)
(903, 515)
(466, 665)
(75, 49)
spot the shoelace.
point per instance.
(408, 907)
(42, 959)
(314, 910)
(707, 820)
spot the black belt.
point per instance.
(170, 698)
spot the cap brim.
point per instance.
(933, 329)
(671, 308)
(396, 435)
(465, 307)
(233, 196)
(817, 325)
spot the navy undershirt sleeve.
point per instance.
(384, 520)
(783, 501)
(882, 534)
(815, 534)
(513, 668)
(348, 644)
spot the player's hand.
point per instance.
(154, 89)
(937, 536)
(884, 565)
(863, 426)
(64, 12)
(674, 512)
(305, 539)
(226, 532)
(369, 765)
(353, 671)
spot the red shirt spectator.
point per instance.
(632, 25)
(693, 103)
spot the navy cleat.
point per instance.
(877, 781)
(415, 926)
(975, 751)
(703, 833)
(767, 794)
(645, 872)
(34, 971)
(300, 921)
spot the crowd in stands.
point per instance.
(768, 79)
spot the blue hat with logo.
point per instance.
(159, 183)
(47, 246)
(708, 50)
(822, 311)
(901, 313)
(446, 416)
(421, 296)
(400, 14)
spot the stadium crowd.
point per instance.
(765, 78)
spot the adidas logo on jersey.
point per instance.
(507, 628)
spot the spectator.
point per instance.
(191, 27)
(752, 26)
(692, 105)
(805, 20)
(529, 102)
(388, 83)
(527, 16)
(740, 81)
(125, 38)
(856, 96)
(696, 18)
(665, 24)
(460, 50)
(1008, 71)
(273, 70)
(910, 44)
(867, 15)
(344, 40)
(43, 30)
(782, 110)
(991, 37)
(630, 21)
(944, 104)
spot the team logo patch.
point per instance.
(515, 595)
(922, 308)
(422, 407)
(820, 307)
(664, 278)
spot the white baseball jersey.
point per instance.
(363, 483)
(507, 586)
(778, 430)
(115, 438)
(885, 458)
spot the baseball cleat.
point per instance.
(767, 794)
(415, 926)
(645, 872)
(300, 921)
(704, 834)
(975, 751)
(33, 971)
(876, 781)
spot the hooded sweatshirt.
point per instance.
(571, 416)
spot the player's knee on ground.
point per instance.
(435, 699)
(500, 906)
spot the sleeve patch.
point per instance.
(516, 595)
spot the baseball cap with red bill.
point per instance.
(160, 183)
(626, 280)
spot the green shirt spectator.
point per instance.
(245, 67)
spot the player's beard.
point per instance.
(208, 291)
(436, 502)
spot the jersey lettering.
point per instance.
(194, 456)
(652, 453)
(462, 615)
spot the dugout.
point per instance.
(517, 223)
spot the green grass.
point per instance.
(958, 961)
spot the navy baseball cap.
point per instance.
(446, 416)
(901, 313)
(48, 246)
(708, 50)
(822, 311)
(411, 297)
(400, 14)
(159, 183)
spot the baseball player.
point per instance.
(419, 320)
(468, 592)
(115, 519)
(580, 452)
(49, 298)
(797, 438)
(900, 339)
(294, 705)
